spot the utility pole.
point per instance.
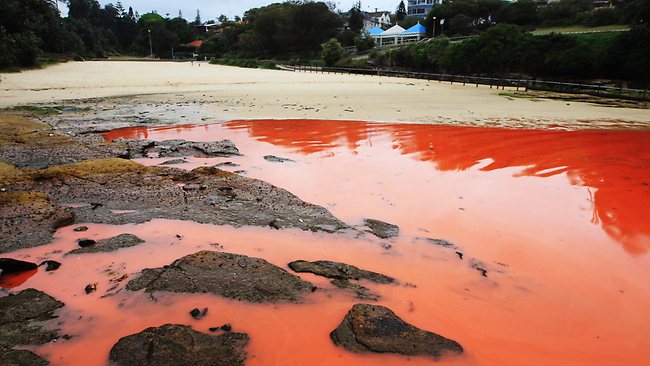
(150, 44)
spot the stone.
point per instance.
(90, 288)
(173, 344)
(21, 316)
(179, 148)
(199, 314)
(359, 291)
(85, 243)
(277, 159)
(50, 265)
(382, 229)
(80, 229)
(110, 244)
(174, 162)
(339, 270)
(479, 266)
(28, 219)
(12, 357)
(229, 164)
(374, 328)
(98, 188)
(439, 242)
(229, 275)
(10, 265)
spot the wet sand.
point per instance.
(558, 219)
(227, 93)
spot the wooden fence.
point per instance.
(516, 84)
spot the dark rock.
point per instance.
(153, 192)
(360, 292)
(51, 265)
(460, 255)
(339, 270)
(9, 265)
(373, 328)
(382, 229)
(58, 150)
(439, 242)
(277, 159)
(20, 315)
(227, 164)
(85, 243)
(180, 148)
(199, 314)
(28, 219)
(135, 148)
(110, 244)
(174, 162)
(90, 288)
(80, 228)
(173, 344)
(229, 275)
(479, 266)
(226, 327)
(12, 357)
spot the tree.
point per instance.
(332, 52)
(400, 13)
(355, 18)
(222, 18)
(197, 20)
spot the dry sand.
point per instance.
(234, 93)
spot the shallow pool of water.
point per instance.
(558, 218)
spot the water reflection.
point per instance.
(16, 279)
(614, 164)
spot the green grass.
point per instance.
(579, 28)
(241, 62)
(39, 111)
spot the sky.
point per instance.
(211, 9)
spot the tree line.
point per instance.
(29, 28)
(504, 50)
(466, 17)
(308, 30)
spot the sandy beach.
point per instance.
(234, 93)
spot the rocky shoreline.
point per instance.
(49, 180)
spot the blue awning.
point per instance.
(376, 31)
(418, 28)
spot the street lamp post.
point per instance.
(434, 27)
(150, 45)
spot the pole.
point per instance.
(434, 27)
(150, 44)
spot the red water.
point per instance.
(558, 217)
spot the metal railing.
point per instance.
(492, 82)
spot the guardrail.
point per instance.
(517, 84)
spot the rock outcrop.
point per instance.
(372, 328)
(173, 345)
(229, 275)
